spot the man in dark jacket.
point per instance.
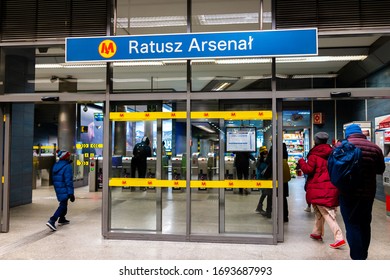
(141, 152)
(241, 161)
(269, 192)
(63, 186)
(356, 206)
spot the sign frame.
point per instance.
(184, 46)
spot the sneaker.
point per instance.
(307, 209)
(338, 244)
(316, 236)
(266, 214)
(63, 222)
(51, 225)
(259, 210)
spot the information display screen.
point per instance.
(240, 139)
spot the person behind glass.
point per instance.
(356, 206)
(269, 192)
(62, 175)
(141, 152)
(260, 167)
(241, 161)
(320, 191)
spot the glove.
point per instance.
(72, 198)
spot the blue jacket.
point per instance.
(63, 179)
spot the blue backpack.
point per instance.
(343, 166)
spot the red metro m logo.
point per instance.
(107, 48)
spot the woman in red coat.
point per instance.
(320, 192)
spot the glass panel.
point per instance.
(241, 213)
(151, 17)
(229, 15)
(205, 167)
(221, 202)
(149, 76)
(231, 75)
(44, 69)
(148, 201)
(340, 64)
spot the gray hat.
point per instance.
(321, 137)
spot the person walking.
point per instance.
(260, 167)
(320, 192)
(241, 161)
(141, 152)
(62, 175)
(268, 176)
(356, 206)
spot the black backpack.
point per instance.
(344, 166)
(139, 151)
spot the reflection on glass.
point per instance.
(167, 77)
(151, 17)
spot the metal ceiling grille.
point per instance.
(332, 14)
(52, 19)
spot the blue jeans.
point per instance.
(357, 217)
(61, 211)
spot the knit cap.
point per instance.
(63, 155)
(321, 137)
(352, 129)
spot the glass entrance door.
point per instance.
(198, 181)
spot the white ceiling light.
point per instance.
(205, 128)
(139, 22)
(138, 63)
(206, 61)
(218, 19)
(315, 76)
(243, 61)
(68, 65)
(321, 58)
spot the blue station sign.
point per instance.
(270, 43)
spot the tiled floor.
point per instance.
(30, 239)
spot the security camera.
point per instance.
(85, 109)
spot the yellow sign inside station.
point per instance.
(227, 115)
(154, 183)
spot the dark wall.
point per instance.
(22, 122)
(19, 68)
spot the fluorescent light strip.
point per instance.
(215, 19)
(219, 19)
(207, 61)
(67, 65)
(205, 128)
(138, 63)
(139, 22)
(321, 58)
(315, 76)
(243, 61)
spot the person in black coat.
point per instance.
(141, 152)
(241, 162)
(269, 192)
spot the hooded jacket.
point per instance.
(373, 163)
(63, 179)
(319, 189)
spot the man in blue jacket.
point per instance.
(63, 185)
(356, 206)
